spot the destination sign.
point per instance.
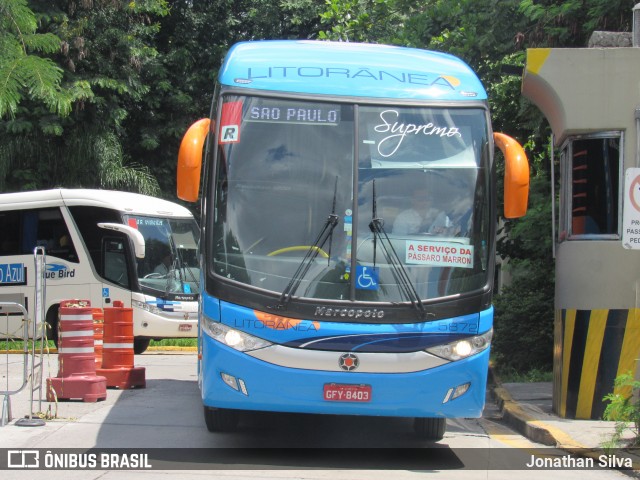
(299, 114)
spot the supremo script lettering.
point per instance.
(390, 144)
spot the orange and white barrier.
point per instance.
(77, 377)
(117, 349)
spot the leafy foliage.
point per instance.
(624, 409)
(524, 313)
(91, 160)
(570, 23)
(372, 21)
(100, 51)
(22, 70)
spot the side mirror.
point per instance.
(516, 176)
(190, 160)
(135, 236)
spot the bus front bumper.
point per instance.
(235, 380)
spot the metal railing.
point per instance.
(32, 356)
(6, 310)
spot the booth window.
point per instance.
(590, 204)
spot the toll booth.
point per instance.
(591, 98)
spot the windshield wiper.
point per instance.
(397, 268)
(175, 266)
(325, 234)
(178, 265)
(184, 268)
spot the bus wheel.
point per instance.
(430, 428)
(220, 419)
(140, 345)
(52, 324)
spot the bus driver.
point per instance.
(421, 217)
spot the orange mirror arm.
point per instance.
(516, 176)
(190, 160)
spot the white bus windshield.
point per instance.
(170, 264)
(384, 201)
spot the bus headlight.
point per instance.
(231, 337)
(463, 348)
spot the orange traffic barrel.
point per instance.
(117, 349)
(77, 377)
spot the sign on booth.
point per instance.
(631, 215)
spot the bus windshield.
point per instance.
(338, 201)
(170, 264)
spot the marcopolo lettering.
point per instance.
(348, 312)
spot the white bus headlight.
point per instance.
(463, 348)
(231, 337)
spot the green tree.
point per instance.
(524, 313)
(570, 23)
(103, 48)
(23, 72)
(374, 21)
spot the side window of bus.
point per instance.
(115, 261)
(23, 230)
(52, 229)
(591, 174)
(95, 239)
(10, 228)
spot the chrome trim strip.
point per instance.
(328, 361)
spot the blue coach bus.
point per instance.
(348, 216)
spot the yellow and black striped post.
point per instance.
(592, 347)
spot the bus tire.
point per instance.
(140, 345)
(430, 428)
(220, 419)
(52, 324)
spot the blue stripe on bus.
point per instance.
(325, 335)
(385, 342)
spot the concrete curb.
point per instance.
(524, 423)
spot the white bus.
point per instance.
(103, 246)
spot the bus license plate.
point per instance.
(334, 392)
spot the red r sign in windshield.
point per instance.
(230, 122)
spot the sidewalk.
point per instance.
(527, 408)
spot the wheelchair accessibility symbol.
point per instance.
(367, 278)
